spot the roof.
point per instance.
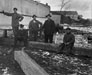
(55, 12)
(69, 12)
(64, 12)
(45, 5)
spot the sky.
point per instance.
(83, 7)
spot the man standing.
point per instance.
(49, 29)
(15, 20)
(34, 27)
(68, 41)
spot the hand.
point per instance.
(20, 20)
(67, 43)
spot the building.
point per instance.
(27, 7)
(72, 14)
(64, 16)
(56, 16)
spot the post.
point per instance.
(5, 33)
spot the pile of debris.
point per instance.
(60, 64)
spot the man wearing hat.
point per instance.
(15, 20)
(49, 29)
(22, 35)
(68, 41)
(34, 27)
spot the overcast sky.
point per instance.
(83, 7)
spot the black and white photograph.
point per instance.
(45, 37)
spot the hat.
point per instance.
(68, 28)
(48, 15)
(15, 9)
(34, 16)
(21, 25)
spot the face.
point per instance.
(15, 10)
(34, 17)
(68, 31)
(49, 17)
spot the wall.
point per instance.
(56, 18)
(27, 7)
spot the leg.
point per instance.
(71, 48)
(35, 36)
(61, 47)
(15, 31)
(15, 41)
(31, 35)
(25, 42)
(51, 38)
(46, 38)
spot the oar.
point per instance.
(25, 15)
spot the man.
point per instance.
(68, 41)
(34, 27)
(22, 36)
(49, 29)
(15, 20)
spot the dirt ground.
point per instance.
(61, 64)
(54, 64)
(8, 66)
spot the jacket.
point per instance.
(34, 25)
(49, 27)
(15, 18)
(69, 38)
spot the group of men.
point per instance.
(35, 26)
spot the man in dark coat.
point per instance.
(15, 20)
(49, 29)
(22, 36)
(68, 41)
(34, 27)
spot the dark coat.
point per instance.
(34, 26)
(49, 27)
(69, 38)
(22, 35)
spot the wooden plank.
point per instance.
(44, 46)
(47, 46)
(28, 65)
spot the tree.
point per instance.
(64, 3)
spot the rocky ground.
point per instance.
(8, 66)
(54, 64)
(61, 64)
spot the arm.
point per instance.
(39, 22)
(64, 39)
(42, 27)
(20, 17)
(30, 25)
(8, 14)
(54, 27)
(73, 39)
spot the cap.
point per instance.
(68, 28)
(34, 16)
(48, 15)
(15, 9)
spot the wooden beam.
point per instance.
(44, 46)
(48, 47)
(28, 65)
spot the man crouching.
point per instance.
(22, 36)
(68, 42)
